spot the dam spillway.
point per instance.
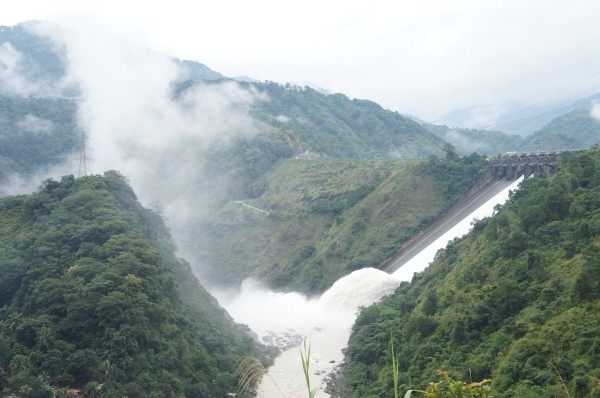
(448, 220)
(327, 320)
(505, 169)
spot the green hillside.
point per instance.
(574, 130)
(517, 300)
(92, 296)
(327, 218)
(339, 127)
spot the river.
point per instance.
(285, 318)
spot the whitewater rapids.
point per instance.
(325, 321)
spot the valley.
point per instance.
(278, 199)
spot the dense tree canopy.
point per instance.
(91, 292)
(516, 301)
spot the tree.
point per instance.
(450, 152)
(92, 389)
(19, 363)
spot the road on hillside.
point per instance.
(446, 223)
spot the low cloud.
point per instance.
(129, 112)
(484, 116)
(282, 118)
(12, 80)
(464, 144)
(14, 184)
(22, 76)
(137, 120)
(33, 124)
(595, 111)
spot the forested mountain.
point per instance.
(327, 218)
(517, 118)
(294, 123)
(339, 127)
(574, 130)
(577, 129)
(92, 297)
(303, 124)
(36, 133)
(517, 300)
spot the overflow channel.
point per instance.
(327, 321)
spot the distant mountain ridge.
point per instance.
(515, 118)
(292, 122)
(339, 127)
(329, 125)
(577, 129)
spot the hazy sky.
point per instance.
(420, 57)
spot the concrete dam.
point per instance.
(504, 170)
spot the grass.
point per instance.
(305, 357)
(250, 372)
(395, 366)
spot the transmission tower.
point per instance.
(83, 153)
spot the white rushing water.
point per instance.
(287, 317)
(419, 262)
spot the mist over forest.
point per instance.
(136, 186)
